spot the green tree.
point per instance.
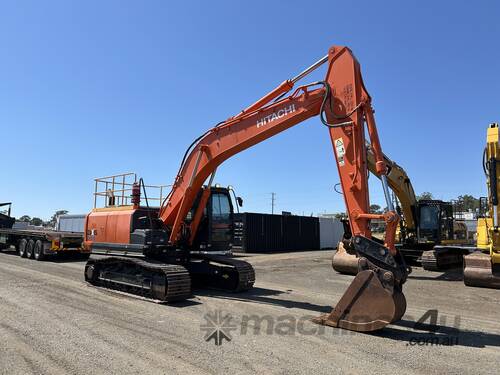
(425, 196)
(375, 209)
(466, 202)
(36, 221)
(25, 218)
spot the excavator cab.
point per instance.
(435, 222)
(215, 231)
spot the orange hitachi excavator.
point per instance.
(374, 298)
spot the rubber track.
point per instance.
(178, 281)
(246, 272)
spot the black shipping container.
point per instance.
(261, 233)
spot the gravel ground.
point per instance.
(51, 322)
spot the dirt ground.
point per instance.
(51, 322)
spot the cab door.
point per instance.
(220, 221)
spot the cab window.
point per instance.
(221, 209)
(429, 217)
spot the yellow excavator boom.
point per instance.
(482, 268)
(400, 184)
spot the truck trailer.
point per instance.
(37, 243)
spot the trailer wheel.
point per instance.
(38, 251)
(30, 249)
(21, 248)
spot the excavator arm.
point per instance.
(343, 104)
(228, 139)
(375, 298)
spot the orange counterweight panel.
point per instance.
(111, 225)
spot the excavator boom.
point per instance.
(341, 98)
(341, 101)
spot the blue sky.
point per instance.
(91, 88)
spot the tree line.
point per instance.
(39, 222)
(463, 203)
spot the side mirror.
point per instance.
(240, 201)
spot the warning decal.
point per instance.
(340, 151)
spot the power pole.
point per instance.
(273, 199)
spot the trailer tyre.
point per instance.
(21, 248)
(38, 251)
(30, 247)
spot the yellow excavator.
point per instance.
(427, 233)
(482, 268)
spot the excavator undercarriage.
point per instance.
(158, 282)
(166, 281)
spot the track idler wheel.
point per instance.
(343, 262)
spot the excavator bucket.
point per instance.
(366, 305)
(480, 272)
(343, 262)
(374, 299)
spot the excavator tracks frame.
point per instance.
(444, 257)
(221, 273)
(169, 282)
(158, 282)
